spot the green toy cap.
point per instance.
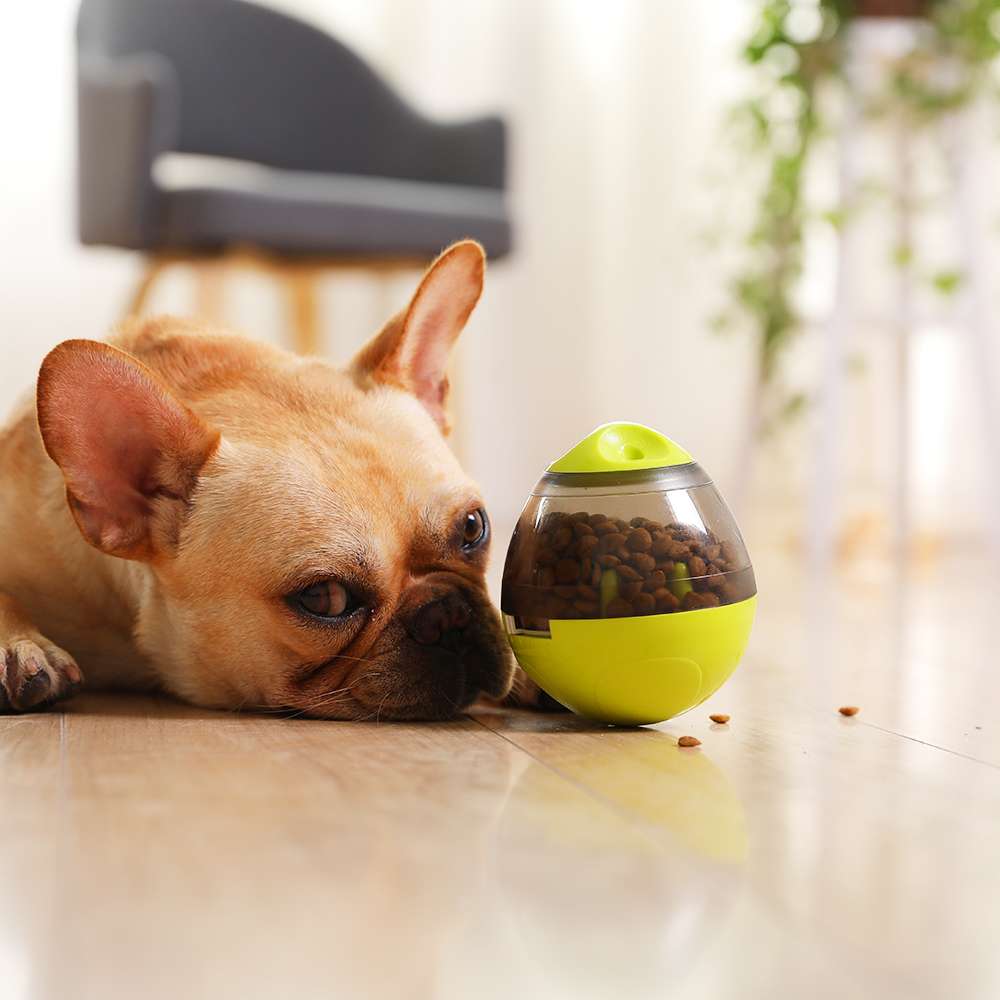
(621, 447)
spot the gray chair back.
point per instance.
(255, 84)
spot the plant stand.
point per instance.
(869, 44)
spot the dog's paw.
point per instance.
(34, 673)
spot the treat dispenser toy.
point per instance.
(628, 594)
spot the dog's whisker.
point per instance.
(342, 696)
(326, 695)
(378, 711)
(327, 703)
(339, 695)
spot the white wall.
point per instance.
(51, 289)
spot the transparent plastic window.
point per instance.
(623, 555)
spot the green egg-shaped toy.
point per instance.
(628, 594)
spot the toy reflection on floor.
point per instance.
(632, 895)
(628, 594)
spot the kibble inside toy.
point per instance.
(628, 594)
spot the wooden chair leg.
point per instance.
(152, 271)
(209, 290)
(301, 286)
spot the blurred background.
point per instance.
(764, 227)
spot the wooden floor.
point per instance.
(152, 850)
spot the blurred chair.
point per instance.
(218, 132)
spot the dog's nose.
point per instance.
(431, 622)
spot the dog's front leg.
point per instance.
(34, 672)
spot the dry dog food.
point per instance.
(849, 710)
(689, 741)
(586, 565)
(720, 718)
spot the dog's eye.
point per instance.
(475, 529)
(328, 599)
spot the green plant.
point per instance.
(795, 51)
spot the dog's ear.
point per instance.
(412, 349)
(129, 450)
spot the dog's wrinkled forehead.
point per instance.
(365, 486)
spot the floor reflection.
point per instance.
(616, 887)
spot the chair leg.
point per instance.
(301, 287)
(209, 290)
(151, 273)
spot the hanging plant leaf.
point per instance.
(902, 255)
(947, 282)
(792, 58)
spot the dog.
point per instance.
(187, 511)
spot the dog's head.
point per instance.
(307, 539)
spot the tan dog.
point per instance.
(245, 528)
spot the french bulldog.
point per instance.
(188, 511)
